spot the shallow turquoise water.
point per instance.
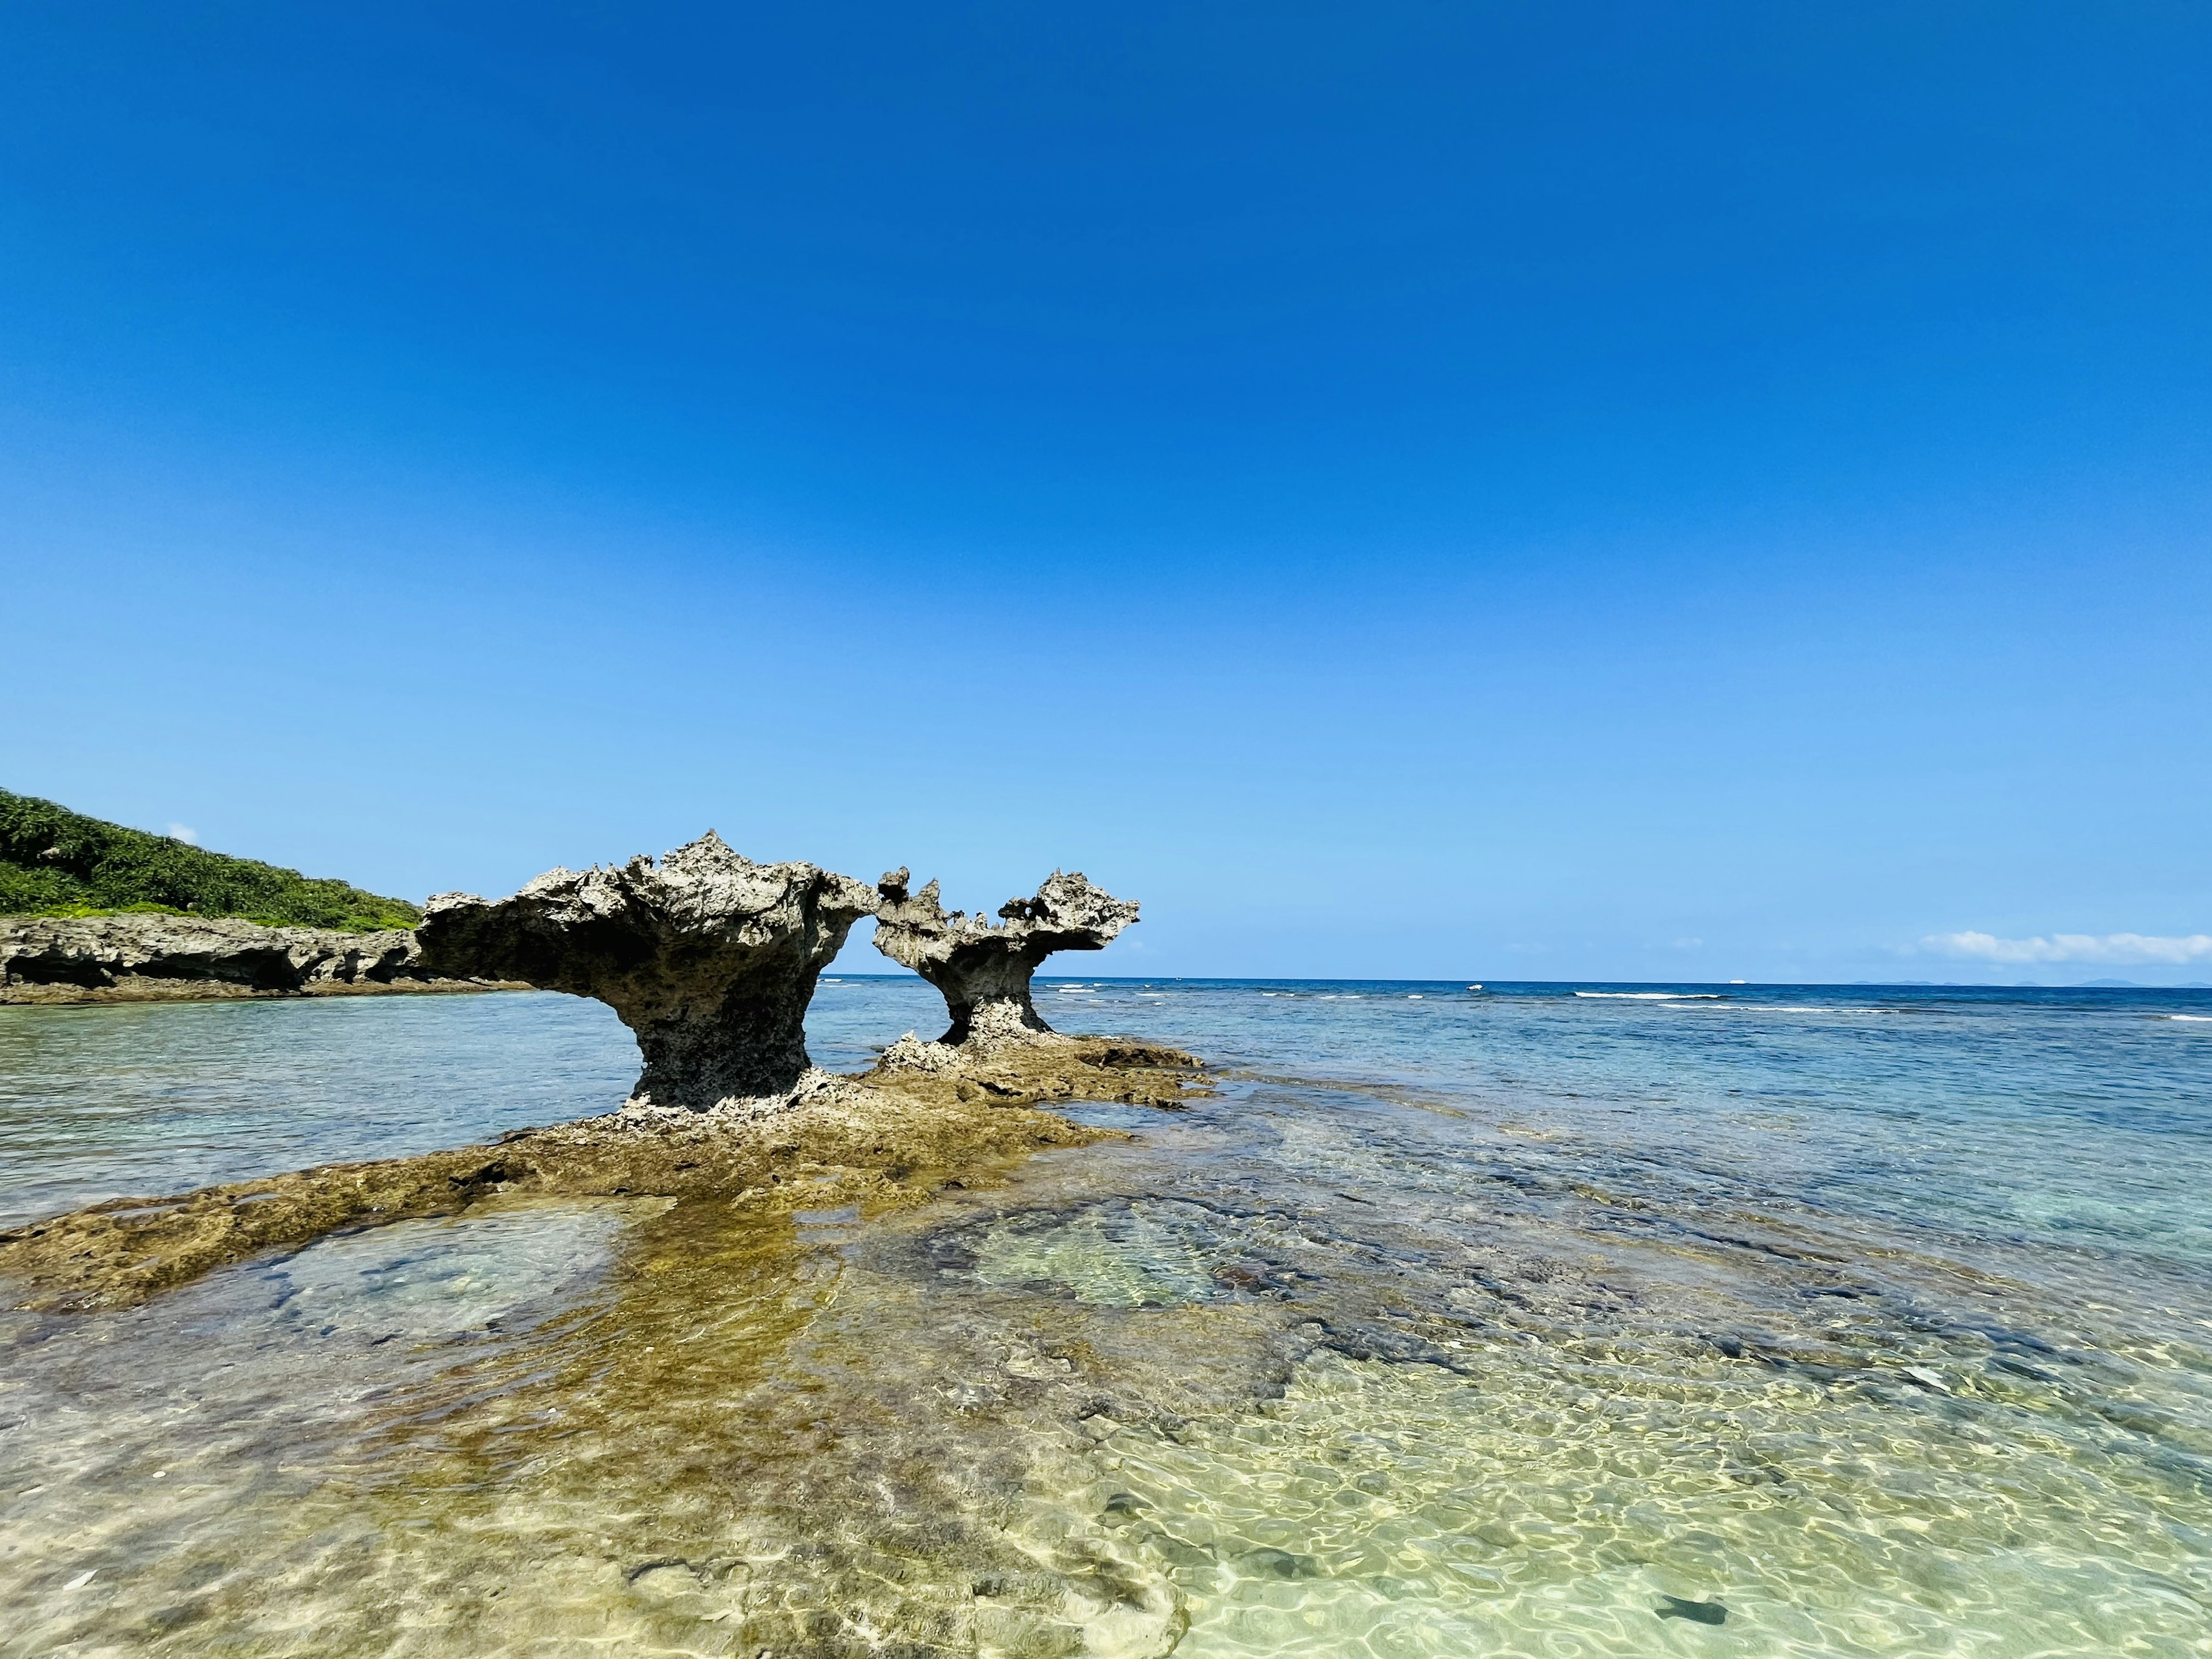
(1460, 1323)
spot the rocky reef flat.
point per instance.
(925, 1117)
(165, 958)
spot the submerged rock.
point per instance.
(1277, 1563)
(148, 958)
(709, 957)
(984, 971)
(1699, 1613)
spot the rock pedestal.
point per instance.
(710, 958)
(984, 971)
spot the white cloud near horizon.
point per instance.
(2114, 948)
(184, 833)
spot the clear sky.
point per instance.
(1510, 491)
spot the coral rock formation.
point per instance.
(709, 957)
(149, 957)
(984, 971)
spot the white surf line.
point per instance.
(1653, 996)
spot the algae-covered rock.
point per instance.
(888, 1136)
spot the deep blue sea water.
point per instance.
(1880, 1315)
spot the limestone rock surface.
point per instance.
(707, 957)
(984, 968)
(150, 957)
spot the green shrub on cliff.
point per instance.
(57, 862)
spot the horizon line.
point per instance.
(1476, 985)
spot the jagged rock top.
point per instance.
(1068, 912)
(705, 893)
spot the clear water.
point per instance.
(144, 1100)
(1459, 1323)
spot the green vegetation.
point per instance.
(54, 862)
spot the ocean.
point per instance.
(1526, 1319)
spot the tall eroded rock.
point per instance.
(984, 971)
(710, 958)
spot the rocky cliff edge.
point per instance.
(152, 957)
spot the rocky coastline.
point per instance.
(711, 960)
(165, 958)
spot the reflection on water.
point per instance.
(1510, 1343)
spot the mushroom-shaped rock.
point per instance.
(984, 970)
(710, 958)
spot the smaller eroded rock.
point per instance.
(984, 971)
(709, 957)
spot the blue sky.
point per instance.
(1504, 491)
